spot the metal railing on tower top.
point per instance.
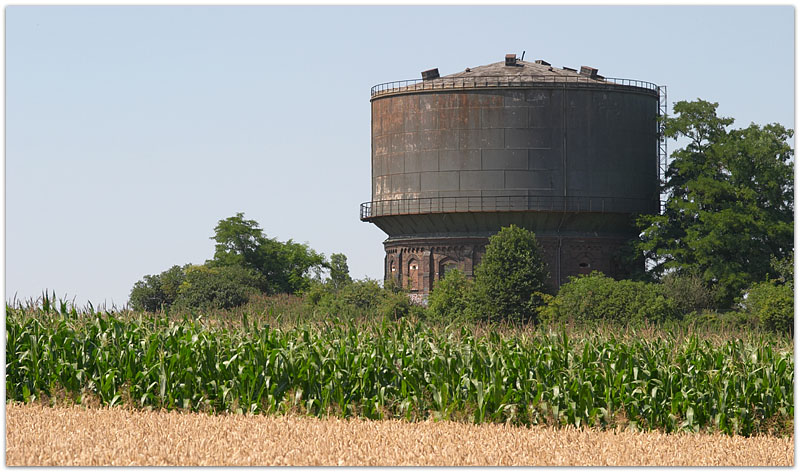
(444, 83)
(458, 204)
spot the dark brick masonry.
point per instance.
(417, 264)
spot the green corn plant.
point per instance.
(398, 369)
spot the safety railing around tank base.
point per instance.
(459, 204)
(503, 81)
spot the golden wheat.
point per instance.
(38, 435)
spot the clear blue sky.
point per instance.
(130, 131)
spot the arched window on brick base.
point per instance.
(584, 264)
(413, 275)
(446, 266)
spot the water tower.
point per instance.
(567, 153)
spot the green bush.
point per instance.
(511, 277)
(364, 294)
(317, 293)
(359, 298)
(450, 298)
(207, 287)
(155, 292)
(597, 297)
(688, 292)
(773, 304)
(712, 320)
(356, 298)
(395, 305)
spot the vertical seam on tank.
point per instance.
(564, 140)
(564, 170)
(372, 150)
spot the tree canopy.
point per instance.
(730, 201)
(285, 266)
(511, 277)
(340, 272)
(245, 262)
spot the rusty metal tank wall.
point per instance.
(572, 163)
(590, 146)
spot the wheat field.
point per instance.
(38, 435)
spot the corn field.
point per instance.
(400, 370)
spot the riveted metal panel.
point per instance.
(405, 183)
(514, 98)
(480, 139)
(502, 117)
(469, 159)
(481, 180)
(429, 161)
(438, 181)
(503, 159)
(381, 144)
(538, 97)
(396, 163)
(412, 162)
(528, 138)
(526, 179)
(459, 118)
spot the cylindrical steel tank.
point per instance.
(570, 155)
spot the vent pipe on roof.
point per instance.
(430, 74)
(590, 72)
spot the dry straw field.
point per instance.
(77, 436)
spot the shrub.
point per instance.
(364, 294)
(207, 287)
(450, 298)
(688, 292)
(155, 292)
(394, 305)
(773, 304)
(511, 277)
(719, 321)
(597, 297)
(358, 297)
(317, 293)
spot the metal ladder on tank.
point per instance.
(662, 144)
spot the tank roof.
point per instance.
(522, 69)
(511, 73)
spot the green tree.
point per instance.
(512, 276)
(155, 292)
(340, 272)
(296, 261)
(729, 202)
(285, 266)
